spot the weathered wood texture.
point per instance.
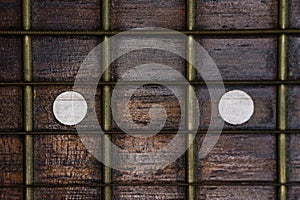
(294, 107)
(294, 13)
(44, 119)
(236, 193)
(294, 58)
(231, 14)
(147, 96)
(11, 108)
(264, 98)
(148, 13)
(59, 58)
(237, 157)
(66, 15)
(171, 173)
(294, 157)
(11, 160)
(294, 192)
(10, 15)
(10, 58)
(238, 57)
(78, 193)
(11, 194)
(64, 160)
(148, 192)
(147, 56)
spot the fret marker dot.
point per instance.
(69, 108)
(236, 107)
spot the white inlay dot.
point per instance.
(69, 108)
(236, 107)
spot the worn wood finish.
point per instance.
(147, 96)
(236, 193)
(294, 192)
(10, 15)
(66, 15)
(78, 193)
(11, 194)
(170, 173)
(294, 107)
(294, 59)
(59, 58)
(148, 192)
(148, 13)
(64, 160)
(264, 98)
(237, 57)
(231, 14)
(11, 108)
(248, 157)
(293, 157)
(11, 160)
(140, 57)
(44, 118)
(294, 13)
(10, 58)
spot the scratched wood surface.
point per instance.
(10, 58)
(148, 192)
(231, 14)
(237, 57)
(294, 9)
(66, 15)
(10, 15)
(11, 108)
(294, 59)
(148, 13)
(59, 58)
(294, 107)
(237, 157)
(80, 193)
(236, 192)
(11, 193)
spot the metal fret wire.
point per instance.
(282, 99)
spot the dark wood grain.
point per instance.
(148, 13)
(78, 193)
(293, 157)
(294, 13)
(139, 57)
(231, 14)
(238, 57)
(64, 160)
(10, 58)
(59, 58)
(66, 15)
(294, 58)
(294, 192)
(147, 96)
(11, 194)
(11, 108)
(10, 15)
(171, 173)
(44, 119)
(264, 98)
(236, 193)
(11, 160)
(294, 107)
(148, 192)
(237, 157)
